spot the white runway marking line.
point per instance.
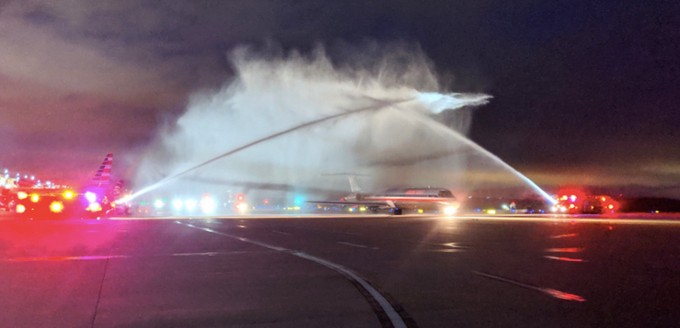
(566, 219)
(107, 257)
(566, 235)
(250, 217)
(64, 258)
(352, 244)
(216, 253)
(564, 258)
(549, 291)
(391, 313)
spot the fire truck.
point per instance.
(95, 200)
(578, 202)
(57, 204)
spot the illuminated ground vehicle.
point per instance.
(97, 199)
(57, 204)
(577, 202)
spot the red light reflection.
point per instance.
(565, 259)
(65, 258)
(563, 295)
(565, 250)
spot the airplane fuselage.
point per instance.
(439, 200)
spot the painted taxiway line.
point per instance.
(564, 259)
(566, 235)
(570, 220)
(261, 217)
(549, 291)
(351, 244)
(632, 220)
(373, 295)
(108, 257)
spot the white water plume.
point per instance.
(282, 124)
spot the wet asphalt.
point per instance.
(333, 272)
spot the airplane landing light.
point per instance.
(450, 210)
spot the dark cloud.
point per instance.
(577, 85)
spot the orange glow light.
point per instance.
(69, 194)
(56, 207)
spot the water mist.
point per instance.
(283, 123)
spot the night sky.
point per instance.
(585, 92)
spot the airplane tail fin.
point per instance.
(353, 182)
(103, 175)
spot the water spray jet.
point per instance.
(375, 107)
(446, 130)
(277, 94)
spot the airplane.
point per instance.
(99, 186)
(396, 200)
(95, 200)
